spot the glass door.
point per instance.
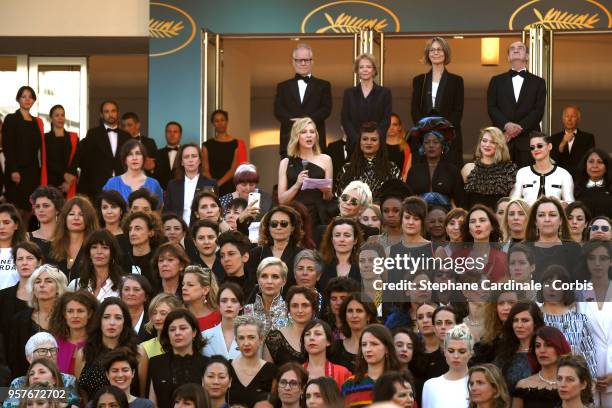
(211, 91)
(13, 75)
(61, 81)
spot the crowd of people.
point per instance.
(133, 276)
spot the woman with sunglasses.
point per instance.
(600, 228)
(540, 389)
(544, 178)
(578, 217)
(369, 162)
(305, 161)
(593, 184)
(340, 250)
(281, 237)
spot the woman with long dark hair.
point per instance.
(340, 250)
(291, 378)
(316, 342)
(397, 148)
(593, 184)
(578, 218)
(322, 392)
(101, 271)
(13, 234)
(60, 147)
(22, 140)
(111, 207)
(369, 162)
(217, 381)
(47, 202)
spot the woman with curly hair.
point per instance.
(77, 220)
(280, 236)
(340, 250)
(47, 202)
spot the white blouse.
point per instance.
(216, 344)
(558, 183)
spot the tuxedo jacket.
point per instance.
(527, 111)
(583, 141)
(449, 100)
(336, 150)
(176, 193)
(94, 156)
(316, 105)
(163, 173)
(356, 111)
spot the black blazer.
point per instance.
(163, 173)
(449, 100)
(336, 150)
(357, 110)
(446, 180)
(94, 157)
(317, 105)
(174, 202)
(527, 111)
(583, 141)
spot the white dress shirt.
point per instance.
(171, 157)
(302, 87)
(190, 188)
(571, 142)
(434, 92)
(517, 83)
(112, 137)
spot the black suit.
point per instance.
(337, 151)
(449, 105)
(316, 105)
(163, 173)
(526, 112)
(176, 193)
(94, 156)
(357, 110)
(583, 141)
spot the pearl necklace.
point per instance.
(549, 382)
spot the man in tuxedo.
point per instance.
(571, 144)
(516, 102)
(130, 123)
(302, 96)
(167, 157)
(97, 155)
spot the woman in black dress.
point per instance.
(145, 235)
(22, 140)
(369, 163)
(222, 155)
(492, 174)
(340, 250)
(249, 368)
(47, 202)
(366, 102)
(439, 93)
(111, 328)
(182, 361)
(398, 149)
(305, 160)
(60, 147)
(593, 184)
(438, 181)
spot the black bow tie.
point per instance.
(305, 78)
(175, 148)
(108, 130)
(522, 73)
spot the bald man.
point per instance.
(570, 145)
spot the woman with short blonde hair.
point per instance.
(305, 161)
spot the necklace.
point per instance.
(549, 382)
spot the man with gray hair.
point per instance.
(302, 96)
(40, 346)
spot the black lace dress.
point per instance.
(280, 349)
(487, 183)
(312, 199)
(538, 397)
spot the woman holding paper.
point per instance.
(306, 162)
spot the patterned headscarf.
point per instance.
(433, 125)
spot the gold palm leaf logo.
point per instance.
(165, 29)
(562, 20)
(345, 23)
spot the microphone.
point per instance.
(305, 164)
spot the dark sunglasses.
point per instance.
(283, 224)
(537, 146)
(347, 198)
(604, 228)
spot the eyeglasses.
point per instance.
(292, 384)
(42, 352)
(435, 50)
(302, 60)
(282, 223)
(348, 199)
(603, 228)
(537, 146)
